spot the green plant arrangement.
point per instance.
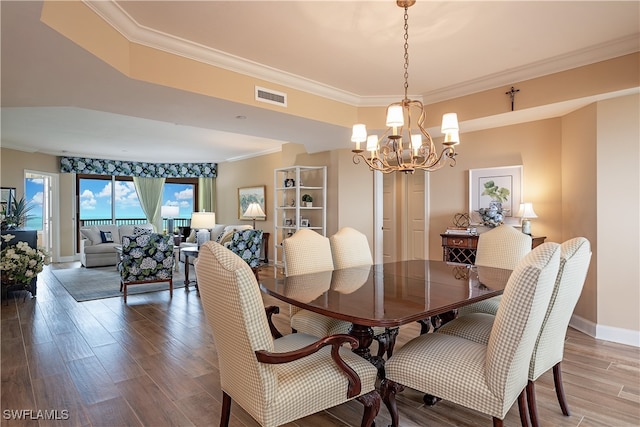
(494, 214)
(499, 194)
(19, 213)
(21, 263)
(307, 199)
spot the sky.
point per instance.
(95, 199)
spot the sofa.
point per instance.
(98, 243)
(221, 233)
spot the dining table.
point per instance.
(388, 295)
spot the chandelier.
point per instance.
(406, 145)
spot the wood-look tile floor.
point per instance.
(152, 362)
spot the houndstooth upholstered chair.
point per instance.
(575, 255)
(146, 258)
(490, 377)
(350, 248)
(279, 380)
(500, 247)
(309, 252)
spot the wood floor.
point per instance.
(153, 362)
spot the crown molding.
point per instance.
(579, 58)
(122, 22)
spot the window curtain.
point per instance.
(207, 194)
(150, 195)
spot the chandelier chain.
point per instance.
(406, 52)
(406, 146)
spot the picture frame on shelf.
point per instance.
(304, 222)
(288, 222)
(491, 186)
(289, 182)
(248, 195)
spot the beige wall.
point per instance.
(618, 211)
(535, 145)
(579, 201)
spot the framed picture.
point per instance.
(6, 195)
(304, 222)
(288, 222)
(490, 185)
(248, 195)
(289, 182)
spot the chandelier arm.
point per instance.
(399, 149)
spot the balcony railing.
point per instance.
(177, 222)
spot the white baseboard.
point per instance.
(606, 333)
(68, 258)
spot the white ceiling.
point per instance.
(59, 99)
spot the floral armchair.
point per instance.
(146, 258)
(247, 244)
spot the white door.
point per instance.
(404, 218)
(41, 193)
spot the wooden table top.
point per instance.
(390, 294)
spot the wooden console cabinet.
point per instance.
(461, 248)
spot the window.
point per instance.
(108, 200)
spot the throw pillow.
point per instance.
(192, 237)
(106, 237)
(139, 231)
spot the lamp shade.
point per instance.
(526, 211)
(395, 116)
(203, 220)
(254, 211)
(449, 123)
(359, 133)
(169, 211)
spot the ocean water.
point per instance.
(34, 223)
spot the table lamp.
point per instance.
(254, 211)
(203, 222)
(526, 212)
(169, 212)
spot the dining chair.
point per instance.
(276, 379)
(501, 247)
(146, 258)
(490, 377)
(575, 255)
(309, 252)
(350, 248)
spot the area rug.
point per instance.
(85, 284)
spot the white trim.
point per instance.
(606, 333)
(378, 252)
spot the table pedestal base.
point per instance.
(364, 335)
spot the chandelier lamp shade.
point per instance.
(406, 146)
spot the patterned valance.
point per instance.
(142, 169)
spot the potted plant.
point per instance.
(494, 214)
(308, 200)
(18, 214)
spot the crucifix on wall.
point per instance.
(512, 94)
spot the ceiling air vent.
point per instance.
(271, 96)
